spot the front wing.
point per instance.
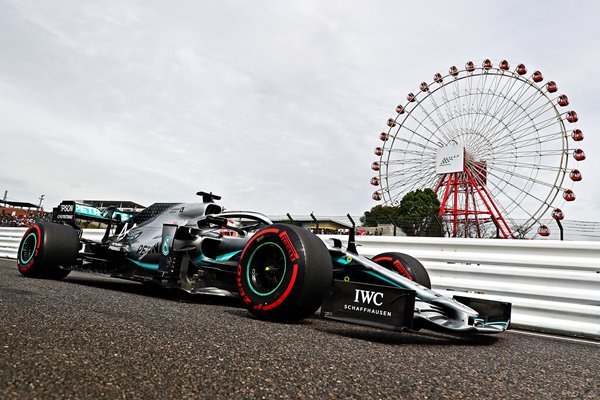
(406, 305)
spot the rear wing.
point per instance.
(69, 211)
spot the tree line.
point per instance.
(416, 215)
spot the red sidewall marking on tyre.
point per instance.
(287, 291)
(243, 295)
(285, 238)
(26, 267)
(402, 269)
(292, 253)
(255, 237)
(245, 298)
(397, 264)
(376, 260)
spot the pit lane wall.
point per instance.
(553, 286)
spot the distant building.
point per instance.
(384, 230)
(18, 208)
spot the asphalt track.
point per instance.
(92, 337)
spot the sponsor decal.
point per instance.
(86, 210)
(447, 160)
(124, 217)
(143, 249)
(115, 246)
(366, 296)
(367, 310)
(450, 159)
(400, 268)
(64, 211)
(285, 238)
(385, 261)
(165, 245)
(367, 304)
(68, 208)
(245, 298)
(83, 210)
(166, 264)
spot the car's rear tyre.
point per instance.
(284, 273)
(44, 248)
(405, 265)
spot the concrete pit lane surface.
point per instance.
(94, 337)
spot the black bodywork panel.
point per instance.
(373, 305)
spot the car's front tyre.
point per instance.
(405, 265)
(284, 273)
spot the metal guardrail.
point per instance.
(11, 237)
(553, 286)
(9, 241)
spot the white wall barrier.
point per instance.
(11, 237)
(553, 286)
(9, 241)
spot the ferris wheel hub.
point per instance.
(450, 159)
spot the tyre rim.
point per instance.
(266, 269)
(28, 248)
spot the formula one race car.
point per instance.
(281, 272)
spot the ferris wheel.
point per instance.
(498, 146)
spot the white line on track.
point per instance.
(547, 336)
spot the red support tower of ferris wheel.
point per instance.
(463, 184)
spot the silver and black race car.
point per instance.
(281, 272)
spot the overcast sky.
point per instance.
(274, 105)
